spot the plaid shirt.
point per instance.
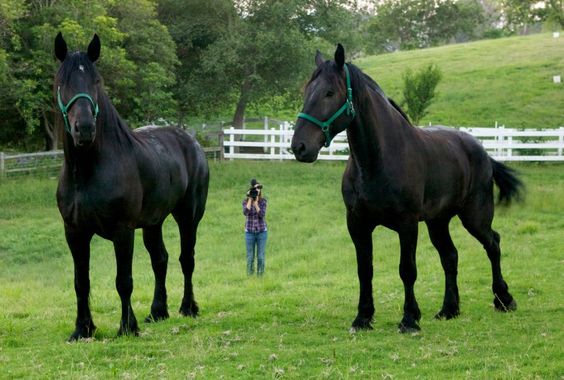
(255, 220)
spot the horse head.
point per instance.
(77, 85)
(328, 107)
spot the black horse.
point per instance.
(114, 180)
(398, 175)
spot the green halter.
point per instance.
(64, 109)
(347, 107)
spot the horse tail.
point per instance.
(510, 186)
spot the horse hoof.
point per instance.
(76, 336)
(155, 317)
(405, 329)
(84, 332)
(361, 324)
(447, 314)
(128, 331)
(505, 307)
(408, 326)
(191, 310)
(130, 328)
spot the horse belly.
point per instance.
(160, 200)
(441, 199)
(437, 208)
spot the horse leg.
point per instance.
(408, 274)
(79, 244)
(440, 237)
(361, 235)
(477, 219)
(153, 239)
(188, 228)
(123, 246)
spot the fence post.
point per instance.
(501, 131)
(272, 141)
(561, 141)
(221, 147)
(510, 143)
(265, 136)
(281, 139)
(2, 167)
(232, 142)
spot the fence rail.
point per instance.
(50, 162)
(503, 144)
(30, 162)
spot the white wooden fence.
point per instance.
(503, 144)
(15, 164)
(50, 162)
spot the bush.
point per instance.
(419, 90)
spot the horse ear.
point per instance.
(94, 48)
(319, 58)
(60, 47)
(340, 56)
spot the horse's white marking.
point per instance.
(81, 68)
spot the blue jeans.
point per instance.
(255, 240)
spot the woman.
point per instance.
(254, 208)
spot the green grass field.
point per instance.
(507, 80)
(294, 322)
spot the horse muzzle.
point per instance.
(84, 134)
(307, 142)
(302, 153)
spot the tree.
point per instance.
(419, 90)
(238, 54)
(335, 21)
(147, 43)
(10, 12)
(555, 12)
(408, 24)
(137, 63)
(262, 53)
(519, 14)
(194, 26)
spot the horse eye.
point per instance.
(330, 93)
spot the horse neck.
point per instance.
(112, 136)
(378, 134)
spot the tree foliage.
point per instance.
(137, 63)
(555, 13)
(408, 24)
(245, 53)
(195, 25)
(177, 60)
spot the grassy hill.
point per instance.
(507, 80)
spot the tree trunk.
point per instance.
(239, 116)
(51, 137)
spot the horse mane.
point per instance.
(397, 107)
(357, 76)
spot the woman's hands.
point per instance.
(253, 203)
